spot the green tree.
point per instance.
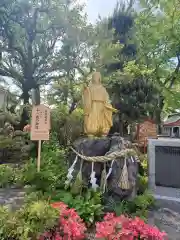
(75, 64)
(122, 21)
(158, 38)
(31, 42)
(130, 85)
(83, 51)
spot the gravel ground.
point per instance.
(167, 218)
(12, 197)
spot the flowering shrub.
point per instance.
(70, 226)
(125, 228)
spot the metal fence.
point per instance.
(167, 166)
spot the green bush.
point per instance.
(52, 174)
(137, 207)
(67, 127)
(37, 196)
(142, 184)
(143, 174)
(28, 222)
(141, 205)
(144, 165)
(7, 175)
(89, 206)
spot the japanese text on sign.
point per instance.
(40, 123)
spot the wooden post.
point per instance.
(39, 156)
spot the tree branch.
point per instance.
(48, 52)
(12, 73)
(49, 79)
(17, 49)
(173, 77)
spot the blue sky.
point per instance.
(99, 7)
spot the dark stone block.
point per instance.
(114, 178)
(101, 147)
(93, 147)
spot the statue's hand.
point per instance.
(109, 106)
(85, 86)
(115, 110)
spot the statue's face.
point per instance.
(96, 78)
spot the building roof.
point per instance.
(172, 120)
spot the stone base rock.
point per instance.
(104, 146)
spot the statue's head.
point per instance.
(96, 78)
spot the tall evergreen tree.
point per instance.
(122, 22)
(133, 92)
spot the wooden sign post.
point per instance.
(40, 126)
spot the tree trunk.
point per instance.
(158, 113)
(36, 96)
(24, 119)
(120, 125)
(25, 97)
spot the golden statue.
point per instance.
(97, 109)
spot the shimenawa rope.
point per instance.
(106, 158)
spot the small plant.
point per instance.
(52, 175)
(7, 175)
(142, 184)
(122, 227)
(28, 222)
(143, 174)
(139, 206)
(89, 206)
(143, 171)
(70, 225)
(37, 217)
(53, 171)
(36, 196)
(142, 204)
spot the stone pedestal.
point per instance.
(104, 146)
